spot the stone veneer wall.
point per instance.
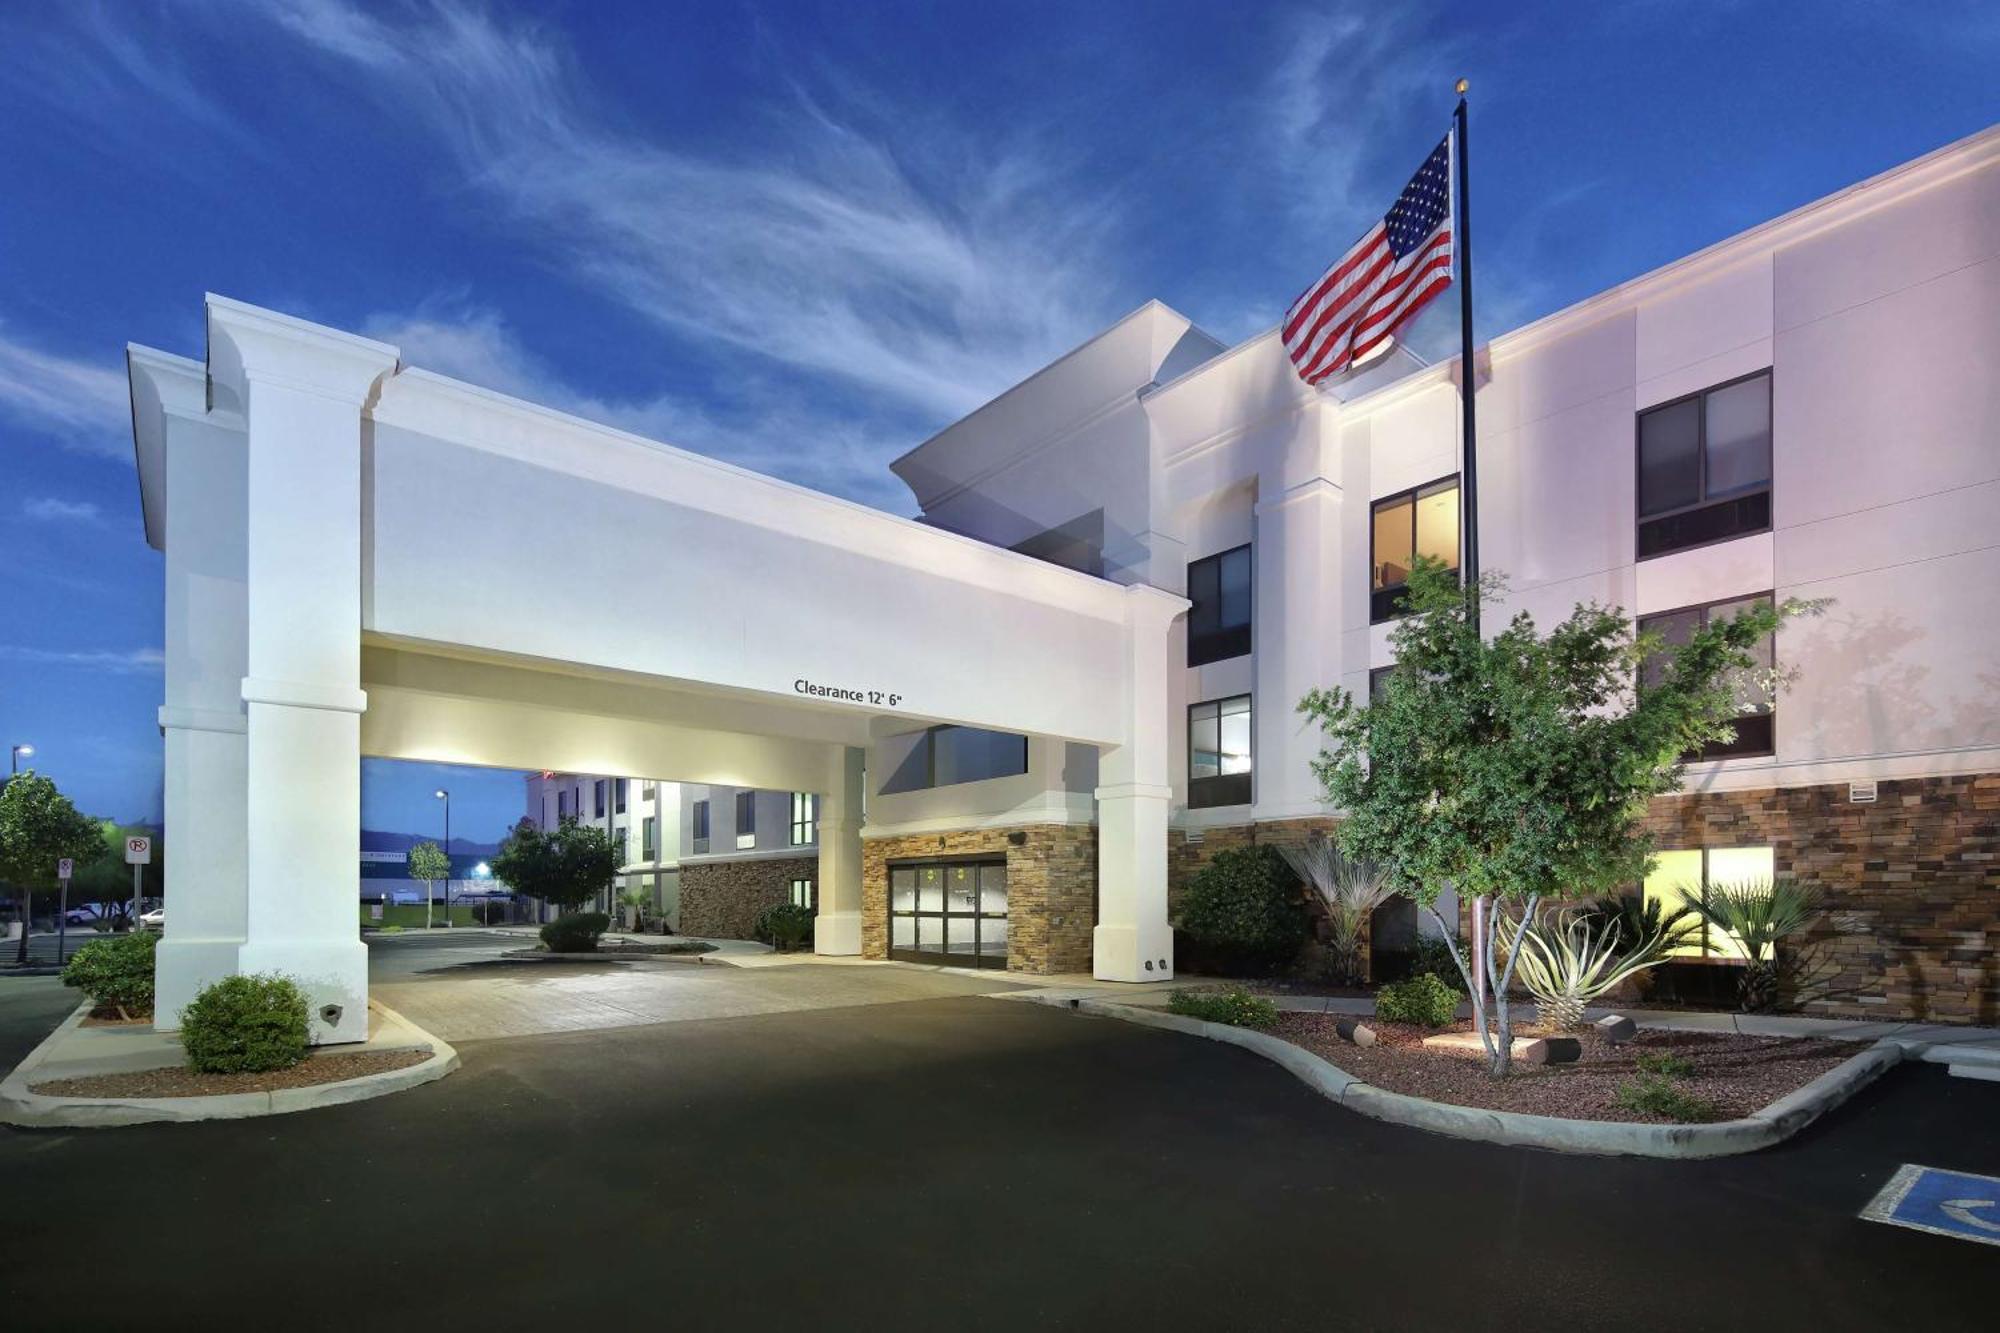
(1912, 883)
(723, 899)
(1186, 856)
(1051, 889)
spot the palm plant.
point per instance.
(1580, 957)
(1761, 914)
(636, 900)
(1349, 890)
(1639, 919)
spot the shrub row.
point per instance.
(1235, 1006)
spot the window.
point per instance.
(803, 895)
(649, 834)
(1219, 620)
(562, 806)
(698, 825)
(1681, 875)
(1757, 723)
(948, 755)
(647, 790)
(953, 913)
(746, 819)
(1077, 544)
(597, 791)
(1402, 527)
(1219, 753)
(805, 818)
(1705, 467)
(624, 785)
(618, 845)
(1378, 677)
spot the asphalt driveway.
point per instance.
(956, 1162)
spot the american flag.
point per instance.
(1376, 287)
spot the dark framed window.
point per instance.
(1678, 876)
(698, 825)
(805, 818)
(620, 792)
(1705, 467)
(562, 805)
(1377, 678)
(597, 791)
(649, 837)
(1420, 521)
(647, 790)
(746, 819)
(1219, 753)
(948, 755)
(1757, 724)
(1219, 620)
(952, 912)
(805, 895)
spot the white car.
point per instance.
(153, 920)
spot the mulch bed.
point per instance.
(107, 1016)
(179, 1081)
(1741, 1075)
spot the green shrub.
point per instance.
(575, 932)
(1422, 999)
(116, 972)
(1664, 1063)
(785, 927)
(1243, 911)
(1235, 1006)
(1432, 957)
(245, 1024)
(1655, 1094)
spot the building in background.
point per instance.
(641, 815)
(743, 852)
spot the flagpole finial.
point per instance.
(1463, 84)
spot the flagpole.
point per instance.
(1469, 556)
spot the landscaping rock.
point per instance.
(1550, 1051)
(1350, 1031)
(1616, 1029)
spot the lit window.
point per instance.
(803, 895)
(1219, 753)
(1681, 875)
(1756, 722)
(1705, 467)
(1219, 620)
(648, 837)
(1423, 521)
(805, 818)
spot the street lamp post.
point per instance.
(445, 796)
(14, 754)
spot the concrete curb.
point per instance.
(604, 956)
(1774, 1124)
(30, 1110)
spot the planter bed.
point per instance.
(1740, 1075)
(179, 1081)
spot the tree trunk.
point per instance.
(1504, 1061)
(27, 905)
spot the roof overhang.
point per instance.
(161, 384)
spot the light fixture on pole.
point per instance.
(445, 796)
(14, 758)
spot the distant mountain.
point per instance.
(379, 840)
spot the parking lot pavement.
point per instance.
(959, 1162)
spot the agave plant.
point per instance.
(1761, 914)
(1350, 890)
(1574, 960)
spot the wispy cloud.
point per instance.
(82, 403)
(125, 662)
(52, 509)
(931, 275)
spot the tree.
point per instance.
(1517, 768)
(566, 868)
(429, 864)
(106, 881)
(38, 827)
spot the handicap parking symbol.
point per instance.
(1944, 1203)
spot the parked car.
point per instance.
(153, 920)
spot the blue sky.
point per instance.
(804, 236)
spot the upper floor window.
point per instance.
(948, 755)
(1219, 753)
(617, 837)
(1757, 719)
(597, 791)
(1705, 467)
(1219, 620)
(746, 819)
(649, 837)
(1420, 521)
(624, 788)
(698, 826)
(805, 818)
(647, 789)
(562, 805)
(1378, 680)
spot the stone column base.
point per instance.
(1133, 953)
(330, 972)
(837, 934)
(182, 969)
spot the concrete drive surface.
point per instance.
(955, 1163)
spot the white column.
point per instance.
(838, 927)
(303, 390)
(202, 720)
(1297, 625)
(1133, 941)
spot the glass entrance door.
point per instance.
(950, 912)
